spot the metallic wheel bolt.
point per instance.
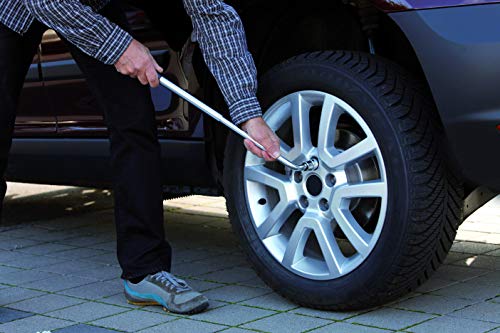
(330, 180)
(303, 201)
(323, 205)
(298, 177)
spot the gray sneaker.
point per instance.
(166, 290)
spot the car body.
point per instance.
(450, 46)
(57, 112)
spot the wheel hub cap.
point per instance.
(314, 185)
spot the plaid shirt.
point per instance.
(217, 28)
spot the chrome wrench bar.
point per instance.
(309, 165)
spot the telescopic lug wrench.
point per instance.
(309, 165)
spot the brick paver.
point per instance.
(58, 272)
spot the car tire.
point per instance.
(420, 206)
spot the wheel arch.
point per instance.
(275, 35)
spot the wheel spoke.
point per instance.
(278, 216)
(329, 248)
(295, 247)
(266, 176)
(369, 189)
(330, 114)
(353, 154)
(356, 235)
(300, 123)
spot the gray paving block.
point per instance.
(287, 322)
(326, 314)
(473, 247)
(16, 243)
(433, 304)
(495, 253)
(133, 321)
(58, 283)
(107, 246)
(7, 257)
(15, 294)
(453, 257)
(109, 258)
(232, 315)
(99, 272)
(7, 315)
(82, 328)
(201, 286)
(87, 311)
(25, 276)
(68, 267)
(85, 241)
(45, 303)
(32, 261)
(185, 325)
(255, 283)
(452, 325)
(469, 290)
(492, 278)
(9, 269)
(458, 273)
(348, 328)
(235, 293)
(271, 301)
(390, 318)
(189, 255)
(94, 290)
(231, 275)
(34, 324)
(236, 330)
(46, 249)
(487, 311)
(79, 253)
(434, 284)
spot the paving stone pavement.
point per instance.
(59, 273)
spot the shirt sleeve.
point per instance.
(80, 25)
(221, 36)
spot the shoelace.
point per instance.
(171, 281)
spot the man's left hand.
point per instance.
(263, 134)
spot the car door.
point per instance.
(76, 109)
(35, 117)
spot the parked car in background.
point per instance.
(396, 98)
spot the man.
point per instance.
(118, 70)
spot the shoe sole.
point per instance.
(196, 310)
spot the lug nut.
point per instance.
(330, 180)
(303, 201)
(298, 177)
(323, 205)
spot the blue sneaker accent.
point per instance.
(151, 297)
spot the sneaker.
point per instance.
(166, 290)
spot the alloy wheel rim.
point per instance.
(319, 224)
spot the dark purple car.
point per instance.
(399, 100)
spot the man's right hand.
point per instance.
(137, 62)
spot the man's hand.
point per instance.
(263, 134)
(137, 62)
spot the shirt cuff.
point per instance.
(244, 110)
(114, 46)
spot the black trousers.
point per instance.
(135, 151)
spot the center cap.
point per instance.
(314, 185)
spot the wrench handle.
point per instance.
(217, 116)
